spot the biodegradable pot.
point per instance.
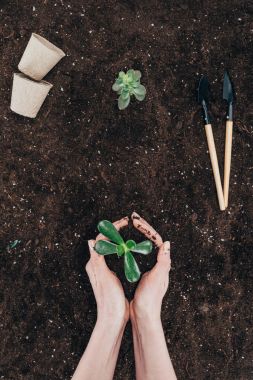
(39, 57)
(27, 95)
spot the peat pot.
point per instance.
(39, 57)
(28, 95)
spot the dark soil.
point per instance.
(82, 160)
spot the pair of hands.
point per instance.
(112, 305)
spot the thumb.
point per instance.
(95, 263)
(163, 256)
(94, 256)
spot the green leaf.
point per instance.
(14, 244)
(131, 268)
(124, 94)
(121, 74)
(130, 244)
(104, 247)
(123, 102)
(137, 75)
(108, 230)
(130, 75)
(140, 92)
(140, 97)
(145, 247)
(117, 87)
(136, 84)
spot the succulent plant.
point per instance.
(118, 246)
(128, 84)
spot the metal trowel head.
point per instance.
(203, 93)
(203, 90)
(228, 93)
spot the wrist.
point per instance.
(146, 325)
(112, 325)
(113, 317)
(144, 318)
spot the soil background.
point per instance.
(82, 160)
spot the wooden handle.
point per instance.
(227, 161)
(215, 165)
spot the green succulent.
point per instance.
(128, 84)
(118, 246)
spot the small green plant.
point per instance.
(121, 248)
(128, 84)
(13, 244)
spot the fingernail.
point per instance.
(90, 244)
(166, 247)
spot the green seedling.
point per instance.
(128, 84)
(11, 246)
(118, 246)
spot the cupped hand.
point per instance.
(153, 285)
(112, 305)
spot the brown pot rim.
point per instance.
(48, 44)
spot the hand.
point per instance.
(147, 302)
(113, 313)
(112, 306)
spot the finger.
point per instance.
(93, 266)
(118, 225)
(121, 223)
(163, 258)
(93, 254)
(145, 228)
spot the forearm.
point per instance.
(151, 353)
(100, 357)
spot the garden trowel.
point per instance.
(203, 92)
(229, 97)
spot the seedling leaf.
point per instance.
(144, 247)
(131, 268)
(14, 244)
(104, 247)
(108, 230)
(116, 86)
(140, 92)
(123, 101)
(137, 75)
(130, 245)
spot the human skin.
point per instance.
(113, 311)
(99, 359)
(152, 360)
